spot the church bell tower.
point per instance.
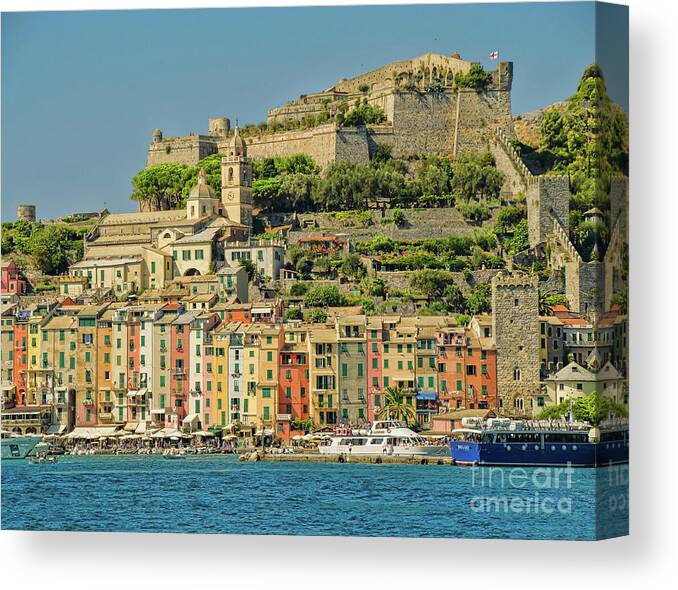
(236, 181)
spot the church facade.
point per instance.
(148, 249)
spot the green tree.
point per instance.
(547, 300)
(48, 248)
(396, 406)
(587, 139)
(250, 267)
(520, 240)
(398, 217)
(293, 313)
(266, 192)
(212, 167)
(298, 289)
(324, 296)
(352, 267)
(161, 185)
(507, 218)
(479, 299)
(592, 408)
(430, 282)
(476, 177)
(454, 299)
(476, 78)
(316, 316)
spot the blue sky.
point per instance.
(82, 91)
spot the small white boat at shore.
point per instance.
(385, 438)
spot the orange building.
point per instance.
(467, 369)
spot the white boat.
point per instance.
(385, 438)
(15, 446)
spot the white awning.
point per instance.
(191, 419)
(159, 412)
(141, 428)
(168, 433)
(56, 429)
(131, 426)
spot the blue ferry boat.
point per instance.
(505, 442)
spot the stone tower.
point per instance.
(236, 181)
(548, 197)
(25, 213)
(202, 202)
(218, 127)
(515, 325)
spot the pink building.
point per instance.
(13, 282)
(375, 363)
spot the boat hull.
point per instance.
(407, 452)
(534, 454)
(19, 447)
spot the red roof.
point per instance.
(170, 307)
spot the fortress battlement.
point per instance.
(514, 280)
(425, 114)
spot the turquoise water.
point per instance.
(218, 494)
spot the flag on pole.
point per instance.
(494, 55)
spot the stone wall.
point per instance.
(420, 224)
(187, 149)
(478, 115)
(418, 122)
(325, 144)
(515, 325)
(423, 123)
(547, 197)
(515, 180)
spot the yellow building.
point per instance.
(252, 335)
(271, 341)
(7, 355)
(221, 338)
(323, 382)
(58, 360)
(400, 355)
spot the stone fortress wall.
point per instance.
(444, 121)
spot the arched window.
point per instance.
(516, 374)
(230, 174)
(167, 235)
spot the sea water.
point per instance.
(218, 494)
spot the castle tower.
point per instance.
(515, 326)
(548, 197)
(202, 202)
(236, 181)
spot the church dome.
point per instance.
(202, 190)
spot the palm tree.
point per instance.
(547, 300)
(396, 406)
